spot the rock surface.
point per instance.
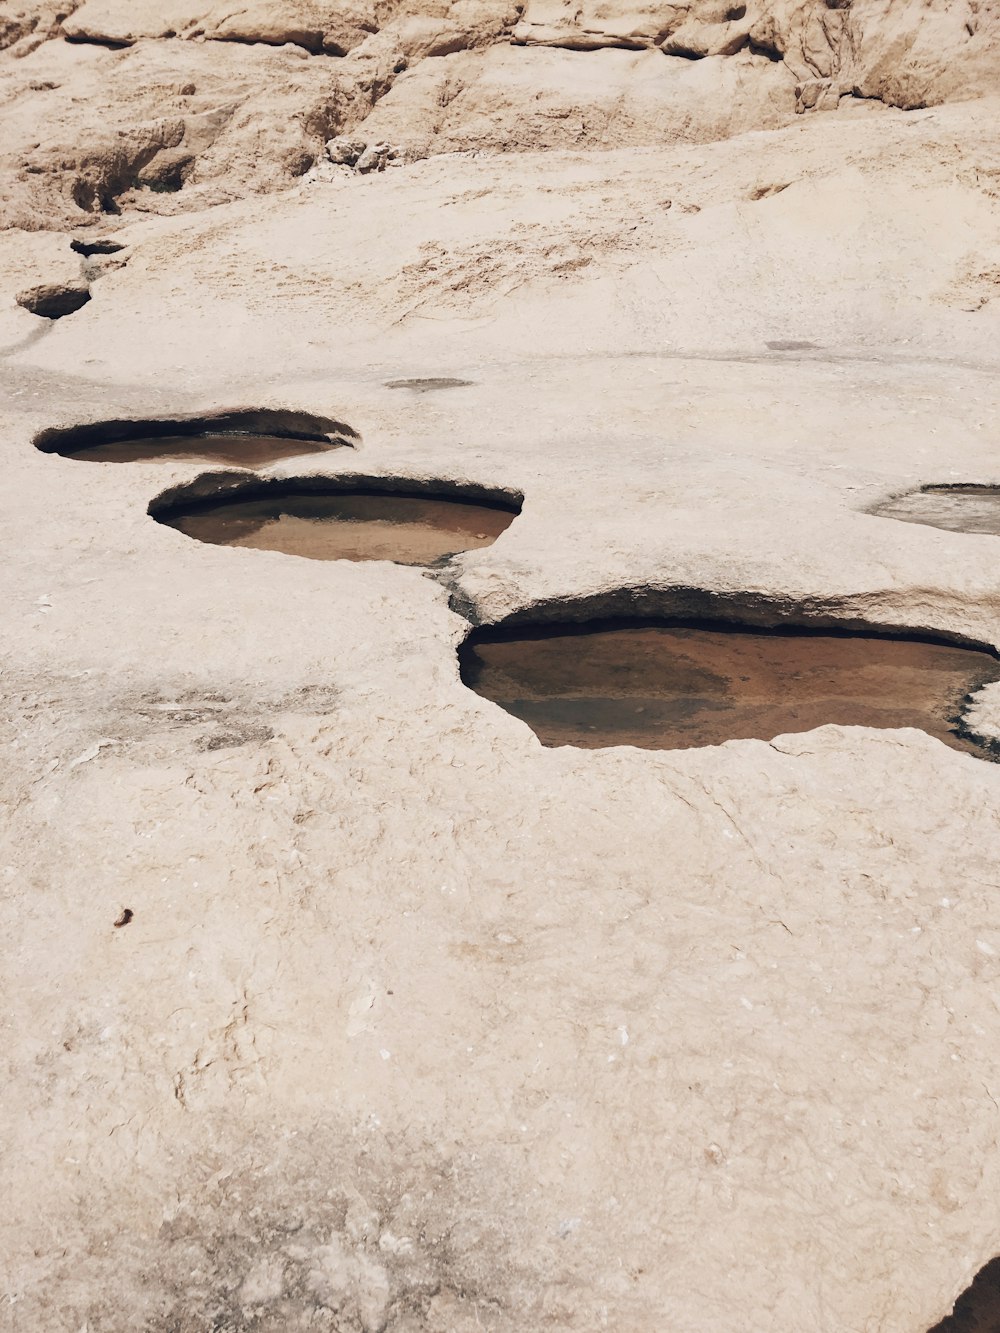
(331, 999)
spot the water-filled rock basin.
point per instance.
(670, 686)
(344, 525)
(249, 438)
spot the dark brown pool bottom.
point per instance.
(353, 525)
(240, 450)
(972, 509)
(670, 687)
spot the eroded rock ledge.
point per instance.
(171, 107)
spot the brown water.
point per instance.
(410, 530)
(674, 687)
(974, 509)
(240, 450)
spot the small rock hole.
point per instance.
(54, 300)
(322, 520)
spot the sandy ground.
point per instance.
(417, 1025)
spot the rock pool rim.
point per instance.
(214, 490)
(520, 627)
(937, 488)
(511, 629)
(278, 423)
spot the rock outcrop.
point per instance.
(906, 55)
(170, 107)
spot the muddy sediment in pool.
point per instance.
(358, 524)
(675, 686)
(247, 439)
(972, 509)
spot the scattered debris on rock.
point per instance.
(364, 158)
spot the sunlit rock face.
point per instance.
(168, 107)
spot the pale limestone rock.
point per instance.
(362, 1223)
(375, 158)
(700, 1039)
(264, 1283)
(906, 54)
(521, 98)
(594, 25)
(316, 25)
(25, 24)
(351, 1282)
(442, 78)
(697, 40)
(109, 113)
(345, 152)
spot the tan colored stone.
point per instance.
(329, 997)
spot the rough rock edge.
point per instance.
(232, 485)
(281, 423)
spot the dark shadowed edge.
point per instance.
(276, 422)
(220, 488)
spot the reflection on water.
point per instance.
(672, 687)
